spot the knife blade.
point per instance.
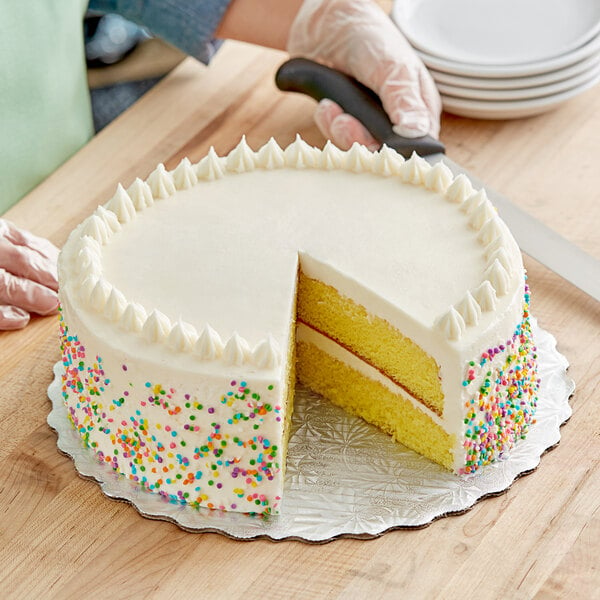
(534, 238)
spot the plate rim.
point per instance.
(403, 10)
(520, 93)
(504, 83)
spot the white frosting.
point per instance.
(121, 205)
(358, 159)
(241, 158)
(182, 337)
(331, 157)
(300, 155)
(459, 190)
(184, 176)
(211, 166)
(270, 156)
(96, 228)
(387, 162)
(236, 351)
(438, 178)
(157, 327)
(109, 218)
(140, 194)
(452, 325)
(266, 354)
(414, 170)
(133, 318)
(469, 310)
(485, 295)
(209, 345)
(115, 305)
(100, 294)
(481, 215)
(161, 183)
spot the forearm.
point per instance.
(263, 22)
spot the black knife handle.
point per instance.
(318, 81)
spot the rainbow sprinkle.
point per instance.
(211, 452)
(502, 407)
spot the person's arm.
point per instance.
(263, 22)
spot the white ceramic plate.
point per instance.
(493, 32)
(520, 94)
(514, 83)
(482, 109)
(524, 70)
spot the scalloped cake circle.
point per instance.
(192, 301)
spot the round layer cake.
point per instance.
(192, 300)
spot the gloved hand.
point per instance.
(28, 277)
(358, 38)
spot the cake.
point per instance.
(191, 301)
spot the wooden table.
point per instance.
(61, 537)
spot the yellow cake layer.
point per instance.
(372, 339)
(374, 402)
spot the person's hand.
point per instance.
(28, 278)
(358, 38)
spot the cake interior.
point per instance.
(362, 363)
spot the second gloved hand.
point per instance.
(358, 38)
(28, 278)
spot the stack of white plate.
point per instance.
(502, 59)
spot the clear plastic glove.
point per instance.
(358, 38)
(28, 276)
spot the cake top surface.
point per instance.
(215, 247)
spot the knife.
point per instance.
(534, 238)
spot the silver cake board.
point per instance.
(344, 477)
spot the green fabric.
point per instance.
(45, 112)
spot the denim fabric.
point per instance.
(189, 25)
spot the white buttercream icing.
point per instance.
(500, 255)
(498, 277)
(115, 305)
(387, 162)
(97, 229)
(87, 284)
(121, 205)
(300, 155)
(451, 324)
(270, 156)
(209, 345)
(483, 213)
(331, 157)
(459, 190)
(414, 169)
(469, 310)
(266, 355)
(236, 351)
(133, 318)
(182, 337)
(490, 231)
(109, 218)
(358, 159)
(184, 176)
(485, 295)
(242, 158)
(100, 294)
(161, 183)
(157, 327)
(438, 178)
(211, 167)
(470, 205)
(141, 194)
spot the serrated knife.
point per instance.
(534, 238)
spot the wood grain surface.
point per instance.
(62, 538)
